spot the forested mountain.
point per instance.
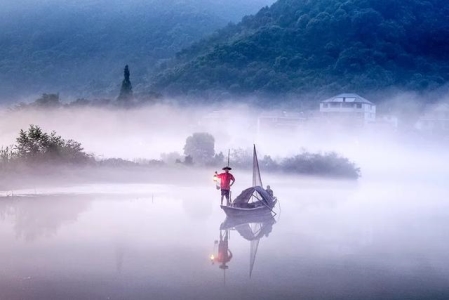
(80, 47)
(320, 46)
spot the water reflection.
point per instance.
(131, 245)
(251, 228)
(38, 216)
(224, 254)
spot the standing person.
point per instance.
(226, 181)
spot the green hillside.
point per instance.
(79, 47)
(321, 46)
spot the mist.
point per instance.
(148, 132)
(360, 207)
(119, 232)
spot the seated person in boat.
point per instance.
(226, 181)
(269, 191)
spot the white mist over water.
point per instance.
(382, 236)
(151, 131)
(350, 240)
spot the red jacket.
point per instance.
(225, 180)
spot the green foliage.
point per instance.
(126, 91)
(318, 164)
(321, 46)
(117, 163)
(35, 146)
(312, 164)
(201, 147)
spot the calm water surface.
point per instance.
(330, 240)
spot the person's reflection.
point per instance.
(224, 255)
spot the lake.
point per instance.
(371, 239)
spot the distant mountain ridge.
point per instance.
(321, 46)
(79, 47)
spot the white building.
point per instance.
(435, 119)
(350, 108)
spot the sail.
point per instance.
(257, 180)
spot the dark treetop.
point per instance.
(126, 91)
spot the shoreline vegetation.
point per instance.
(48, 155)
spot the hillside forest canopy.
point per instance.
(321, 47)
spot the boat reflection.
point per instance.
(251, 228)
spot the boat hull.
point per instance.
(244, 212)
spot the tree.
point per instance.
(126, 92)
(201, 147)
(36, 146)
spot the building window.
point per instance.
(325, 105)
(359, 105)
(335, 104)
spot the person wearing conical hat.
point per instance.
(226, 181)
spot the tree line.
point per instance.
(34, 148)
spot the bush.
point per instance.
(117, 163)
(35, 147)
(327, 164)
(314, 164)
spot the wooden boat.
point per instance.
(254, 200)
